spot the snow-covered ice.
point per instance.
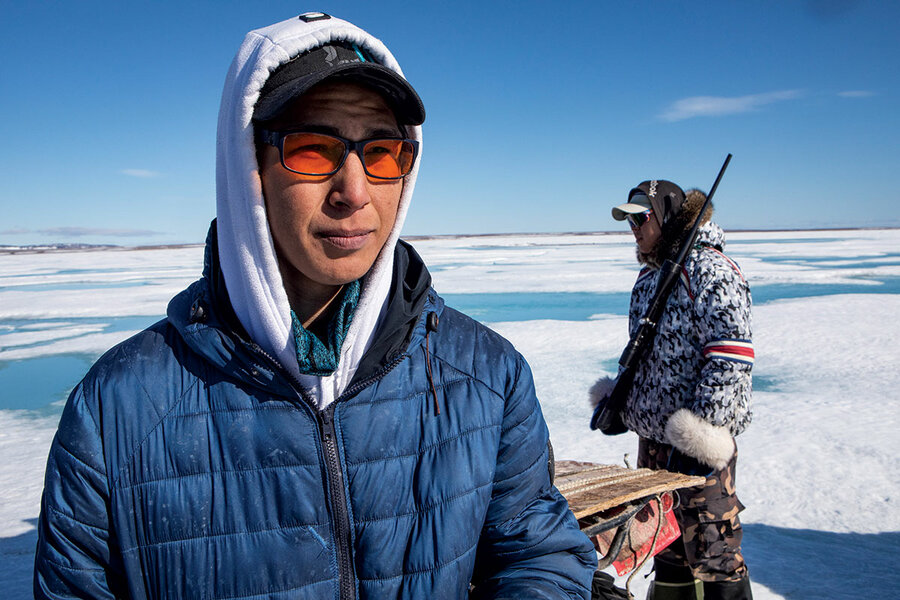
(818, 469)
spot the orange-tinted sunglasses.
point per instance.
(320, 154)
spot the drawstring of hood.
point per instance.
(431, 324)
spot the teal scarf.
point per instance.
(320, 357)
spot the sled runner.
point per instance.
(627, 513)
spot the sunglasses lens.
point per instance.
(637, 220)
(319, 154)
(388, 159)
(312, 153)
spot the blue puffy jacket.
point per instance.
(188, 464)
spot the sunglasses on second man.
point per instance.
(321, 155)
(637, 220)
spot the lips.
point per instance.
(346, 239)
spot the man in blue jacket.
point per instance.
(310, 421)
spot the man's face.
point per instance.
(329, 230)
(647, 234)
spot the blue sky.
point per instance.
(540, 115)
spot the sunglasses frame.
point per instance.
(647, 214)
(276, 138)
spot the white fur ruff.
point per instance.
(710, 444)
(600, 390)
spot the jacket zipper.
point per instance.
(346, 569)
(339, 504)
(335, 475)
(351, 391)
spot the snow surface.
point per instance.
(817, 470)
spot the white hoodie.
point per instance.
(246, 249)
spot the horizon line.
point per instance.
(84, 247)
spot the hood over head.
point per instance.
(246, 248)
(677, 226)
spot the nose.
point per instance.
(350, 188)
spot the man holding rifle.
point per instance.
(691, 391)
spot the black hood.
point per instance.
(409, 291)
(675, 230)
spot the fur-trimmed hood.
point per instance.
(676, 228)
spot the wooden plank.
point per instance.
(591, 488)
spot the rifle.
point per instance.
(607, 416)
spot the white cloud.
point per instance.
(717, 106)
(145, 173)
(856, 94)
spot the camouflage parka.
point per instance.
(703, 353)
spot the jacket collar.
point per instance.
(204, 317)
(408, 303)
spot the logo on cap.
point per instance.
(652, 193)
(330, 55)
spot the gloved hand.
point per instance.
(600, 391)
(599, 396)
(680, 462)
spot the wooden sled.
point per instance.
(606, 499)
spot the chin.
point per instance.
(343, 272)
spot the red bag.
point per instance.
(648, 532)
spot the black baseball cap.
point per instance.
(663, 197)
(343, 60)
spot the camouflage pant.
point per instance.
(710, 543)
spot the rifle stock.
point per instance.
(607, 416)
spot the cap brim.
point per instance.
(401, 96)
(621, 212)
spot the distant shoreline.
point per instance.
(586, 233)
(60, 248)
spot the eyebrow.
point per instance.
(375, 132)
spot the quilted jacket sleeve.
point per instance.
(76, 555)
(530, 546)
(722, 304)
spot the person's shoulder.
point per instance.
(645, 276)
(129, 391)
(709, 263)
(116, 359)
(713, 265)
(135, 367)
(475, 349)
(474, 332)
(715, 276)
